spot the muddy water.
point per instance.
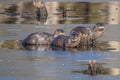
(46, 63)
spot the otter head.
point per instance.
(98, 30)
(74, 39)
(75, 36)
(99, 26)
(92, 62)
(58, 32)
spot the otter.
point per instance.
(67, 41)
(94, 68)
(41, 38)
(89, 36)
(85, 32)
(98, 31)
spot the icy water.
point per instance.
(45, 63)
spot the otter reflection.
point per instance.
(16, 44)
(41, 11)
(37, 47)
(54, 48)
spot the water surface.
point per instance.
(46, 63)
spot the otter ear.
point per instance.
(72, 32)
(94, 28)
(34, 2)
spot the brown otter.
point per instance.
(85, 32)
(67, 41)
(98, 30)
(41, 37)
(89, 36)
(94, 68)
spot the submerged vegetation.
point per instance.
(11, 44)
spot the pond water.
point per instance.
(45, 63)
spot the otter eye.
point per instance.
(72, 32)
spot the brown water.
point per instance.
(46, 63)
